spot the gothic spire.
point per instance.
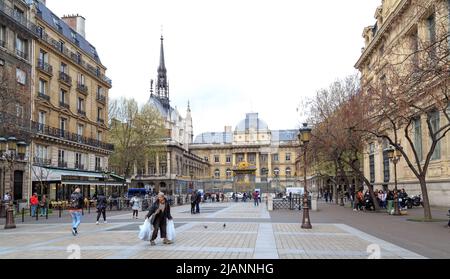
(162, 84)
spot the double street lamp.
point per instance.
(11, 151)
(395, 156)
(305, 137)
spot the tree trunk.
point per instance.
(426, 200)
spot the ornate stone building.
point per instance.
(252, 156)
(400, 26)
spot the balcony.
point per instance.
(42, 129)
(44, 67)
(81, 113)
(22, 54)
(62, 164)
(44, 96)
(17, 18)
(41, 161)
(101, 121)
(101, 98)
(79, 166)
(83, 89)
(65, 78)
(64, 105)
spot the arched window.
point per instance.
(276, 172)
(229, 173)
(288, 172)
(217, 173)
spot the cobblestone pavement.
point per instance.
(221, 231)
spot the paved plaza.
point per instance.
(221, 231)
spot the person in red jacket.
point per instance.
(34, 201)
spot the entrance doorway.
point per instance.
(18, 185)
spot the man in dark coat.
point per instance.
(101, 207)
(161, 213)
(193, 202)
(197, 202)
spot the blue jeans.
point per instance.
(76, 219)
(256, 202)
(43, 211)
(33, 210)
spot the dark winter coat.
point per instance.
(101, 202)
(163, 216)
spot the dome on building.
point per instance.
(252, 122)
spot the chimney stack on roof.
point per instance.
(77, 23)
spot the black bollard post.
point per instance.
(46, 212)
(37, 213)
(30, 212)
(23, 215)
(59, 211)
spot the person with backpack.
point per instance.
(135, 205)
(101, 207)
(76, 207)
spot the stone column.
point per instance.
(258, 171)
(168, 165)
(157, 164)
(234, 160)
(269, 163)
(245, 157)
(146, 165)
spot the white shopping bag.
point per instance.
(170, 230)
(145, 231)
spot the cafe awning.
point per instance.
(49, 174)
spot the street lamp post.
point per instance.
(305, 137)
(395, 155)
(16, 151)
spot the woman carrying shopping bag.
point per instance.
(158, 214)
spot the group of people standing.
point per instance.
(42, 204)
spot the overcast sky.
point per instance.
(227, 57)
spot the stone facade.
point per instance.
(397, 23)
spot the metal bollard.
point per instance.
(37, 213)
(46, 213)
(23, 215)
(30, 212)
(59, 211)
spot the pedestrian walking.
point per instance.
(43, 204)
(256, 198)
(197, 203)
(193, 201)
(158, 214)
(101, 207)
(76, 206)
(326, 196)
(135, 205)
(34, 202)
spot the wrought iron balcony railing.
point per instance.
(44, 96)
(83, 89)
(62, 134)
(81, 113)
(79, 166)
(21, 54)
(41, 161)
(65, 78)
(101, 98)
(64, 105)
(45, 67)
(18, 18)
(62, 164)
(100, 121)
